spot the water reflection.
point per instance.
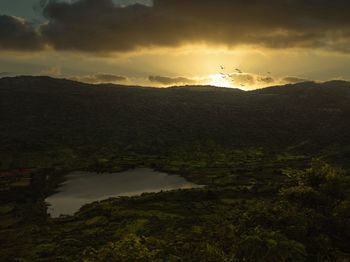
(81, 188)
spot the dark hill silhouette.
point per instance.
(40, 112)
(329, 88)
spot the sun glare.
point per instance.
(220, 80)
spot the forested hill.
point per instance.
(38, 112)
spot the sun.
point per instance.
(220, 80)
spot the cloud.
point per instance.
(17, 34)
(255, 81)
(102, 26)
(3, 74)
(265, 79)
(52, 71)
(110, 78)
(169, 81)
(100, 78)
(240, 80)
(294, 80)
(247, 81)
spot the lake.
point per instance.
(81, 188)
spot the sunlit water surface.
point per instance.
(81, 188)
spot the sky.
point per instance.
(232, 43)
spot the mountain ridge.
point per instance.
(43, 112)
(295, 86)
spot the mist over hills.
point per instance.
(42, 111)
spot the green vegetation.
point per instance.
(300, 215)
(275, 162)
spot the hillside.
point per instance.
(42, 111)
(274, 164)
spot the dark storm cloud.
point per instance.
(102, 26)
(167, 81)
(16, 34)
(99, 25)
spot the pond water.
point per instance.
(81, 188)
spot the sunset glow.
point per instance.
(59, 39)
(220, 80)
(175, 130)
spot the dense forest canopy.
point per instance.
(275, 163)
(40, 112)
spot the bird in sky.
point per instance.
(223, 75)
(238, 71)
(222, 67)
